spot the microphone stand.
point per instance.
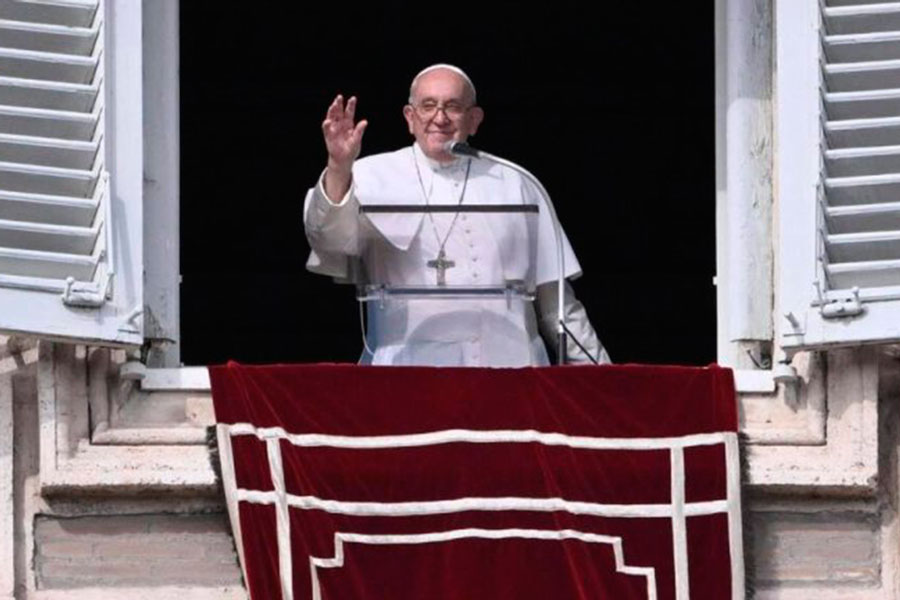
(463, 149)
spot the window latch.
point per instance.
(840, 305)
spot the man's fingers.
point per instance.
(360, 129)
(336, 109)
(350, 111)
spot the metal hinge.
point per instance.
(86, 295)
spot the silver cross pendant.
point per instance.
(440, 265)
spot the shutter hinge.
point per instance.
(840, 305)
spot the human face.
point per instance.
(442, 87)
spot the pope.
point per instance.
(450, 247)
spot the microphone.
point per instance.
(461, 149)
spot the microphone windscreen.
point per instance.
(461, 149)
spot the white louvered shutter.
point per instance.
(59, 270)
(838, 161)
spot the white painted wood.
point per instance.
(78, 13)
(726, 351)
(18, 177)
(845, 163)
(53, 95)
(71, 110)
(42, 122)
(34, 64)
(748, 170)
(46, 37)
(49, 238)
(61, 210)
(865, 217)
(52, 265)
(839, 186)
(162, 269)
(797, 118)
(50, 152)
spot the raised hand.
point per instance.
(343, 138)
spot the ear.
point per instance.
(476, 116)
(409, 115)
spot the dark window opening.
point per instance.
(615, 115)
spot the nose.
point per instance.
(440, 117)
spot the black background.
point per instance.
(614, 113)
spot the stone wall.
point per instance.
(134, 550)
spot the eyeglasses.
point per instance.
(428, 110)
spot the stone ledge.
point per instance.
(142, 593)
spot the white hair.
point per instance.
(435, 67)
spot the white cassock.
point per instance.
(395, 250)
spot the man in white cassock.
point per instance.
(449, 248)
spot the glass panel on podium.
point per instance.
(449, 285)
(445, 252)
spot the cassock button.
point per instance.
(474, 259)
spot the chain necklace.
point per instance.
(440, 263)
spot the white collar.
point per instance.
(454, 166)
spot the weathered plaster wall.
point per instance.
(103, 492)
(134, 550)
(828, 541)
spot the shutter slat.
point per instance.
(48, 238)
(32, 64)
(49, 152)
(868, 274)
(48, 38)
(871, 189)
(865, 104)
(54, 210)
(859, 47)
(856, 162)
(865, 18)
(865, 217)
(47, 180)
(858, 76)
(856, 133)
(79, 13)
(39, 122)
(837, 3)
(52, 95)
(54, 265)
(863, 246)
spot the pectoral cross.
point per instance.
(440, 265)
